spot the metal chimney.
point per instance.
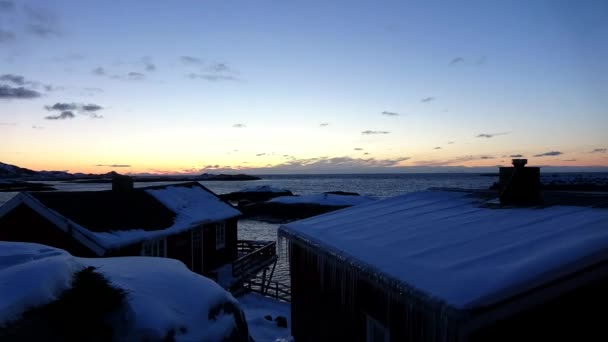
(520, 185)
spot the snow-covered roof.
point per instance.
(449, 246)
(323, 199)
(162, 293)
(192, 205)
(105, 220)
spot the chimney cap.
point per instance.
(519, 162)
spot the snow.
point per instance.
(32, 275)
(448, 246)
(192, 205)
(165, 295)
(323, 199)
(262, 188)
(256, 307)
(162, 294)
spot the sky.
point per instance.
(302, 86)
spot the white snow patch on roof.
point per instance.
(323, 199)
(192, 206)
(448, 246)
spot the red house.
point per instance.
(183, 221)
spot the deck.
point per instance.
(254, 257)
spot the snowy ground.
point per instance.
(262, 330)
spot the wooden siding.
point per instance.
(23, 224)
(213, 257)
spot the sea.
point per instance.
(375, 185)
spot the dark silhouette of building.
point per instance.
(449, 266)
(183, 221)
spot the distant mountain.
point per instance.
(8, 171)
(13, 172)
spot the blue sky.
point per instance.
(468, 84)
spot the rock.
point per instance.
(343, 193)
(281, 321)
(254, 196)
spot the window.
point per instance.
(376, 331)
(220, 235)
(157, 248)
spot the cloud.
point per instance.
(16, 79)
(43, 23)
(358, 149)
(62, 106)
(6, 6)
(260, 154)
(148, 65)
(114, 165)
(219, 68)
(136, 76)
(12, 93)
(437, 148)
(91, 107)
(599, 150)
(366, 153)
(99, 71)
(457, 60)
(457, 160)
(450, 142)
(516, 156)
(64, 115)
(569, 160)
(324, 124)
(8, 124)
(239, 125)
(37, 127)
(90, 110)
(337, 164)
(369, 132)
(21, 81)
(549, 154)
(481, 61)
(389, 113)
(6, 36)
(190, 60)
(212, 77)
(427, 99)
(490, 135)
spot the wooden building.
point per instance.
(182, 221)
(449, 266)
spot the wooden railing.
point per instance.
(272, 289)
(254, 256)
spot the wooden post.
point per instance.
(263, 281)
